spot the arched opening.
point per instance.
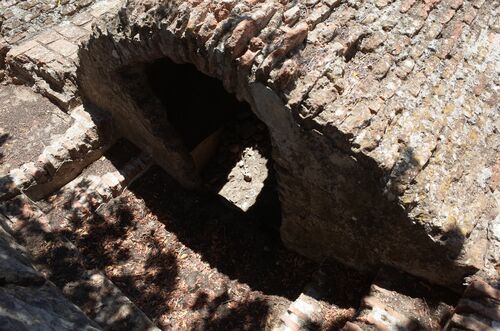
(220, 244)
(229, 146)
(196, 105)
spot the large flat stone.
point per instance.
(15, 268)
(28, 123)
(397, 301)
(27, 300)
(39, 309)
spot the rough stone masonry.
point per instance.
(383, 116)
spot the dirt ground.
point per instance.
(189, 260)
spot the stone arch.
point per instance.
(333, 204)
(102, 83)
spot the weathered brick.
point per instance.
(41, 55)
(82, 18)
(71, 32)
(63, 47)
(48, 37)
(18, 50)
(406, 5)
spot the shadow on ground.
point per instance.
(154, 243)
(3, 139)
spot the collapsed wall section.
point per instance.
(381, 114)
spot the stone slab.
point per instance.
(15, 267)
(40, 309)
(398, 301)
(28, 123)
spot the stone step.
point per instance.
(28, 123)
(303, 314)
(478, 309)
(48, 58)
(27, 300)
(40, 308)
(45, 235)
(64, 159)
(311, 310)
(398, 301)
(89, 191)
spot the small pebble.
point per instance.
(247, 178)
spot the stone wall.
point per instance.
(20, 19)
(382, 116)
(39, 41)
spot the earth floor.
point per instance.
(191, 261)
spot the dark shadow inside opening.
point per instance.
(197, 105)
(229, 144)
(148, 239)
(242, 243)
